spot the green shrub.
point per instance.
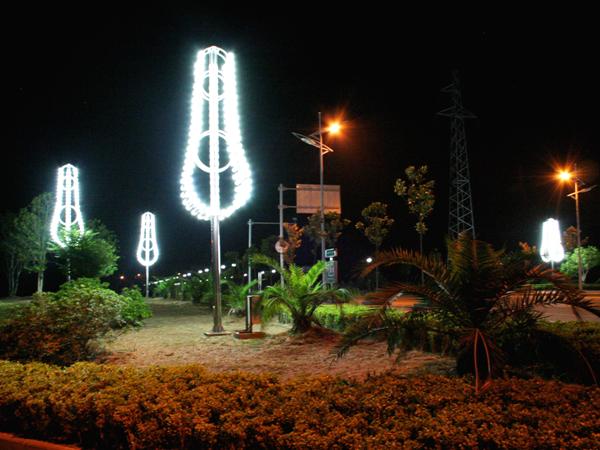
(567, 351)
(338, 317)
(61, 330)
(135, 309)
(187, 407)
(64, 327)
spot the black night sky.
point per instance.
(110, 93)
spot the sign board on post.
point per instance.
(331, 270)
(308, 198)
(330, 252)
(281, 246)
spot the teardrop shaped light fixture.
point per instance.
(67, 212)
(214, 127)
(147, 251)
(551, 249)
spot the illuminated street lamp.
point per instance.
(551, 249)
(67, 213)
(147, 251)
(316, 140)
(565, 176)
(214, 133)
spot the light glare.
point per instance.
(564, 175)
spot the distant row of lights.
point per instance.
(189, 274)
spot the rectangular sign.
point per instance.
(330, 252)
(308, 198)
(331, 269)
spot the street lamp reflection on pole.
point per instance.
(316, 140)
(565, 175)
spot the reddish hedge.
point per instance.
(187, 407)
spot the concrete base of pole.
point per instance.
(249, 334)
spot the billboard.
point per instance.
(308, 198)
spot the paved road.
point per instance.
(556, 313)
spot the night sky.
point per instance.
(110, 93)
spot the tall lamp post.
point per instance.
(565, 175)
(214, 132)
(316, 140)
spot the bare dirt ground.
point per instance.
(175, 336)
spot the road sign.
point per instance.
(331, 269)
(281, 246)
(330, 252)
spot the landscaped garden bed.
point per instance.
(188, 407)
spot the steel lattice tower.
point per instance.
(461, 205)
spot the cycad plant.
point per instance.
(473, 299)
(300, 295)
(235, 295)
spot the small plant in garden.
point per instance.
(300, 296)
(235, 296)
(473, 299)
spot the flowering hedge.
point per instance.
(187, 407)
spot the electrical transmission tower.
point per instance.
(461, 205)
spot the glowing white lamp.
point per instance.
(147, 251)
(67, 213)
(551, 249)
(214, 134)
(214, 131)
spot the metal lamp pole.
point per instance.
(566, 175)
(316, 140)
(579, 268)
(322, 203)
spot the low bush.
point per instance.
(187, 407)
(135, 309)
(338, 317)
(64, 327)
(568, 351)
(60, 331)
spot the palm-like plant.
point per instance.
(472, 298)
(300, 295)
(235, 296)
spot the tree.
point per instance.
(13, 247)
(301, 294)
(87, 255)
(473, 298)
(418, 193)
(36, 232)
(570, 239)
(590, 258)
(294, 240)
(376, 227)
(334, 224)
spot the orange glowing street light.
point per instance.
(334, 127)
(564, 175)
